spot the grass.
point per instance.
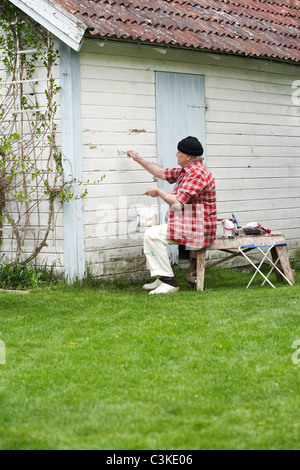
(110, 367)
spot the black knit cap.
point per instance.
(190, 146)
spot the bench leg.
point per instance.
(200, 269)
(285, 263)
(275, 256)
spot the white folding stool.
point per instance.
(265, 259)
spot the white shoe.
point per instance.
(153, 285)
(164, 288)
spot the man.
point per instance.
(192, 217)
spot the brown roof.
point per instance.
(257, 28)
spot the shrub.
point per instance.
(18, 276)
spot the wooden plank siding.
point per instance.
(252, 142)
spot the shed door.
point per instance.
(180, 112)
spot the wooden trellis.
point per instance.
(31, 173)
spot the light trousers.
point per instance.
(155, 250)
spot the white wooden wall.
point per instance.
(252, 143)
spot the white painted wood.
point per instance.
(113, 55)
(115, 176)
(71, 145)
(252, 150)
(120, 139)
(251, 206)
(121, 86)
(252, 118)
(250, 139)
(116, 112)
(250, 129)
(116, 73)
(55, 19)
(93, 123)
(126, 189)
(276, 184)
(112, 99)
(249, 161)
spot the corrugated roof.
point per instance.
(257, 28)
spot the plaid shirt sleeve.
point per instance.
(172, 174)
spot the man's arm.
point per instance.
(155, 170)
(170, 199)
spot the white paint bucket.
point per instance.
(228, 228)
(147, 216)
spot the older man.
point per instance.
(192, 217)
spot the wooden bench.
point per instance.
(198, 257)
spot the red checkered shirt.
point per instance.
(196, 224)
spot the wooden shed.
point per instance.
(144, 74)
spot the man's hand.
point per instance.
(133, 154)
(153, 191)
(155, 170)
(170, 199)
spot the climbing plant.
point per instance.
(32, 181)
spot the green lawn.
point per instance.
(111, 367)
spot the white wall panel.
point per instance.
(252, 136)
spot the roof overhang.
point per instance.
(55, 19)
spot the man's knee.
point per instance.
(152, 233)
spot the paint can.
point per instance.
(228, 228)
(147, 216)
